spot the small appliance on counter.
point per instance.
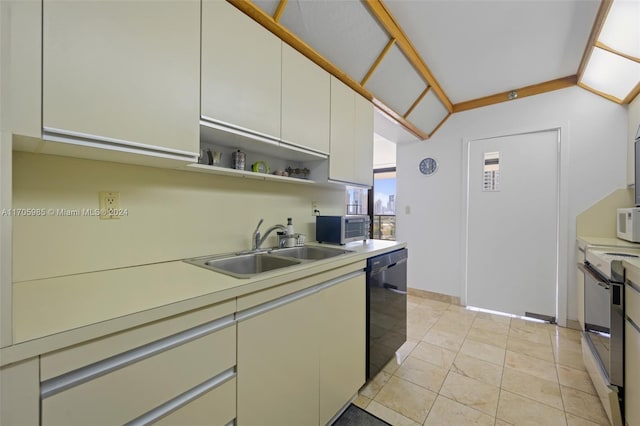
(342, 229)
(628, 224)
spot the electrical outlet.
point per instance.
(109, 204)
(314, 209)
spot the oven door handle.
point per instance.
(597, 277)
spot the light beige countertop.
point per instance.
(584, 241)
(53, 313)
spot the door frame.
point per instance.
(562, 234)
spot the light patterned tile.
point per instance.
(579, 421)
(569, 356)
(472, 393)
(447, 340)
(457, 326)
(422, 373)
(406, 398)
(477, 369)
(565, 333)
(403, 352)
(434, 305)
(483, 351)
(583, 405)
(446, 412)
(361, 401)
(538, 350)
(434, 354)
(530, 365)
(519, 410)
(373, 386)
(533, 387)
(488, 321)
(487, 336)
(389, 416)
(530, 334)
(391, 366)
(577, 379)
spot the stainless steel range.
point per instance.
(604, 313)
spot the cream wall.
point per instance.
(172, 214)
(598, 220)
(429, 213)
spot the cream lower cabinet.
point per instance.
(351, 140)
(301, 357)
(278, 364)
(179, 379)
(342, 344)
(122, 75)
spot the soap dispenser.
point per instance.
(291, 239)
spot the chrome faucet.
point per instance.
(258, 240)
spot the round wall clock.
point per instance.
(428, 166)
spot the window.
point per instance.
(383, 202)
(357, 200)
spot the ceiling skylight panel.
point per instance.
(621, 30)
(344, 32)
(611, 74)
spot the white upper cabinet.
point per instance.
(305, 102)
(241, 71)
(363, 141)
(123, 74)
(351, 158)
(342, 132)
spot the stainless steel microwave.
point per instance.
(342, 229)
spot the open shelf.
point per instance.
(225, 171)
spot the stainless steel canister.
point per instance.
(238, 159)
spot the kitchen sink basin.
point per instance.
(245, 265)
(310, 252)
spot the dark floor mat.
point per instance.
(356, 416)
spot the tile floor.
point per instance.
(461, 367)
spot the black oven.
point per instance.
(604, 319)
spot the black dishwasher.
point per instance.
(386, 308)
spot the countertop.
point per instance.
(53, 313)
(584, 241)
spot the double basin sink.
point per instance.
(247, 265)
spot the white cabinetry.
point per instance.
(351, 158)
(301, 357)
(122, 75)
(241, 71)
(278, 364)
(147, 382)
(342, 344)
(632, 355)
(305, 102)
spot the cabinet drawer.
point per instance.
(216, 407)
(60, 362)
(632, 303)
(128, 392)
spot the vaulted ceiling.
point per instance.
(419, 61)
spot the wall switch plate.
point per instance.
(314, 209)
(109, 204)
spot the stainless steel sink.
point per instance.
(247, 265)
(310, 252)
(244, 266)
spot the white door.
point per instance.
(512, 223)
